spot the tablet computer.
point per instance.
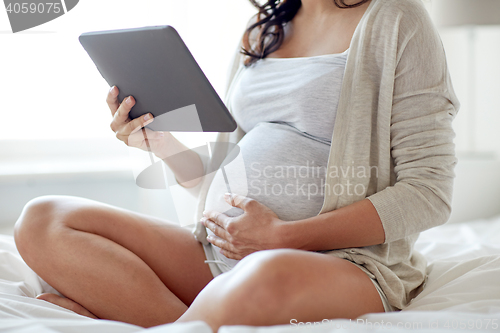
(155, 66)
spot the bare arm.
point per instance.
(188, 168)
(259, 228)
(356, 225)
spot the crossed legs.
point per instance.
(129, 267)
(117, 264)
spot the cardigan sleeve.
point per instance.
(421, 134)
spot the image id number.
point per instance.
(27, 7)
(472, 324)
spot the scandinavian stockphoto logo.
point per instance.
(26, 14)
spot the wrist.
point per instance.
(165, 149)
(288, 235)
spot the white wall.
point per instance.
(483, 83)
(473, 54)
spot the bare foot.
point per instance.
(67, 304)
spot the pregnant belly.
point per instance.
(282, 169)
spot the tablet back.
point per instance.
(154, 65)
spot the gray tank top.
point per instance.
(287, 107)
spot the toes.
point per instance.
(48, 297)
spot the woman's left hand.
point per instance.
(255, 230)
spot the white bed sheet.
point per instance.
(462, 292)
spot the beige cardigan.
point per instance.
(395, 115)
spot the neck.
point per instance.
(324, 7)
(318, 7)
(324, 11)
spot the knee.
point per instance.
(266, 278)
(271, 263)
(31, 227)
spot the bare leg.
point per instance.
(273, 287)
(67, 304)
(117, 264)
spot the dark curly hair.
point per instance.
(272, 16)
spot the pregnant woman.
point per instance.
(344, 112)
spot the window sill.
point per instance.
(81, 169)
(49, 160)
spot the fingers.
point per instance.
(216, 229)
(120, 112)
(112, 99)
(227, 249)
(240, 201)
(127, 130)
(222, 238)
(218, 218)
(120, 118)
(137, 139)
(138, 123)
(121, 115)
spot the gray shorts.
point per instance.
(216, 270)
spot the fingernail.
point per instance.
(111, 89)
(129, 100)
(146, 117)
(162, 134)
(227, 195)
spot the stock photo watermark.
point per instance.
(451, 324)
(308, 180)
(27, 14)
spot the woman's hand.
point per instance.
(188, 170)
(129, 130)
(258, 228)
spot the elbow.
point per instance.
(444, 208)
(442, 212)
(436, 208)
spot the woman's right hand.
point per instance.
(188, 170)
(130, 130)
